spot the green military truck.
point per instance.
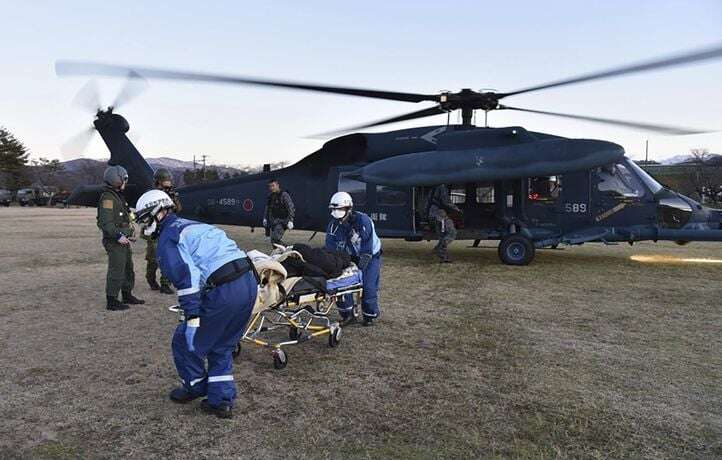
(36, 196)
(6, 196)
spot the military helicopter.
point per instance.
(527, 189)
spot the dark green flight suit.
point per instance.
(114, 220)
(152, 244)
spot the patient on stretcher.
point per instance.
(278, 283)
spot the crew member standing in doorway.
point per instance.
(279, 213)
(440, 205)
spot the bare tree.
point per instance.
(705, 177)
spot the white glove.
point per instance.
(289, 226)
(265, 223)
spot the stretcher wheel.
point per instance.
(280, 359)
(237, 350)
(293, 333)
(334, 337)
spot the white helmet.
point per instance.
(340, 200)
(149, 205)
(340, 205)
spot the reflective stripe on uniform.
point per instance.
(188, 291)
(193, 382)
(220, 378)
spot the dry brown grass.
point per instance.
(585, 353)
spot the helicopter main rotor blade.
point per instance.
(134, 86)
(77, 68)
(689, 57)
(662, 129)
(88, 97)
(435, 110)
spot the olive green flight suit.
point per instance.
(114, 219)
(152, 245)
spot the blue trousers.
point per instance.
(225, 311)
(370, 300)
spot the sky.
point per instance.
(415, 46)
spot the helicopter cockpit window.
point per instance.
(485, 194)
(356, 189)
(390, 196)
(619, 180)
(545, 188)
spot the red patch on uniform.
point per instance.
(248, 205)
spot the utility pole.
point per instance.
(204, 156)
(646, 152)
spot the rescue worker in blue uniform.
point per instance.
(354, 232)
(216, 287)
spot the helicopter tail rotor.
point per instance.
(75, 146)
(88, 99)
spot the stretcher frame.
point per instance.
(305, 318)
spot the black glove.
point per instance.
(364, 261)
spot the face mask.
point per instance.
(338, 213)
(149, 230)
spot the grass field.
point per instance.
(586, 353)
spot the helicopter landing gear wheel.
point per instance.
(334, 336)
(516, 250)
(280, 358)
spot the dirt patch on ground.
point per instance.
(585, 353)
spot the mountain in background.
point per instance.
(83, 171)
(687, 158)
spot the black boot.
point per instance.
(131, 299)
(347, 321)
(165, 289)
(153, 283)
(114, 305)
(221, 411)
(181, 396)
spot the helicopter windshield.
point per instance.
(618, 180)
(648, 180)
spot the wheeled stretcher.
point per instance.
(296, 309)
(298, 306)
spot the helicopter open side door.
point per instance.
(390, 207)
